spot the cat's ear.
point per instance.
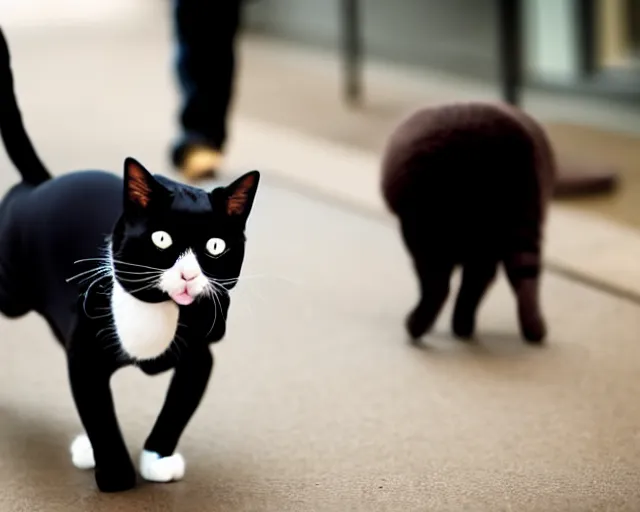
(240, 195)
(139, 185)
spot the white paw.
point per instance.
(82, 453)
(161, 469)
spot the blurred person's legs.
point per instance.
(205, 33)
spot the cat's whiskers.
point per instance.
(109, 310)
(217, 286)
(141, 280)
(148, 277)
(139, 273)
(137, 265)
(217, 302)
(251, 276)
(89, 273)
(224, 284)
(131, 292)
(146, 287)
(92, 276)
(109, 260)
(227, 283)
(211, 291)
(86, 293)
(215, 314)
(216, 298)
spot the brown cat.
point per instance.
(470, 184)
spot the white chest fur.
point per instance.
(145, 330)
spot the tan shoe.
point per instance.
(200, 162)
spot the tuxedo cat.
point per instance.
(470, 184)
(134, 271)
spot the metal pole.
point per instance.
(585, 12)
(352, 51)
(510, 49)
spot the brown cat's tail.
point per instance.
(15, 138)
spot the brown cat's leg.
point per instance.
(433, 268)
(523, 271)
(434, 279)
(476, 278)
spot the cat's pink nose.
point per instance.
(188, 276)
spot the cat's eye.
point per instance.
(216, 246)
(161, 239)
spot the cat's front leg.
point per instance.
(159, 462)
(104, 445)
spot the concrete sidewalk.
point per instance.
(317, 402)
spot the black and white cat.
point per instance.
(126, 272)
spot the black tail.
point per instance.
(15, 138)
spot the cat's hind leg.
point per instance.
(523, 271)
(12, 305)
(104, 446)
(477, 277)
(434, 276)
(14, 287)
(433, 267)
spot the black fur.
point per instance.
(470, 184)
(14, 136)
(46, 225)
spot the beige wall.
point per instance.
(53, 12)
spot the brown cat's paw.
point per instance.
(417, 323)
(463, 328)
(534, 330)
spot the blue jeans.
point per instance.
(205, 32)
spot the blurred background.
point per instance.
(318, 402)
(348, 70)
